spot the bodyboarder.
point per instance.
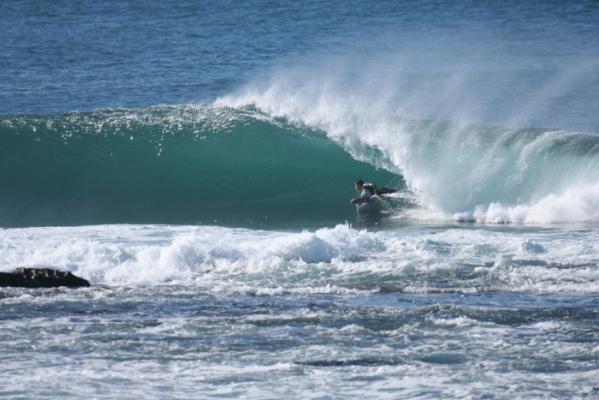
(369, 192)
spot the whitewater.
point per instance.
(205, 311)
(195, 163)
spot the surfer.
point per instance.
(368, 192)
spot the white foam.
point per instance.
(475, 172)
(576, 204)
(339, 260)
(116, 254)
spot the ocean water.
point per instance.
(195, 162)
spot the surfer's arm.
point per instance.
(363, 200)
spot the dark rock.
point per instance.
(40, 278)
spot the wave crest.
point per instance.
(456, 168)
(183, 165)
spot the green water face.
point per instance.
(252, 174)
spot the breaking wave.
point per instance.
(285, 156)
(181, 165)
(458, 168)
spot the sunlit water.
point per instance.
(195, 163)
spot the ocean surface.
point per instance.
(195, 162)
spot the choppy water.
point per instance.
(195, 162)
(205, 311)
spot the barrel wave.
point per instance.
(268, 160)
(179, 164)
(460, 164)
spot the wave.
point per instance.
(458, 169)
(283, 157)
(180, 164)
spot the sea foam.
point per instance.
(452, 158)
(329, 260)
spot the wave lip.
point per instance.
(478, 171)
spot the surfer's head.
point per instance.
(358, 184)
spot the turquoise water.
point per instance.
(174, 165)
(195, 162)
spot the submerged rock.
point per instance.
(40, 278)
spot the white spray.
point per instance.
(459, 149)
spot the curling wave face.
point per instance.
(264, 159)
(185, 164)
(458, 170)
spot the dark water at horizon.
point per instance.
(81, 55)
